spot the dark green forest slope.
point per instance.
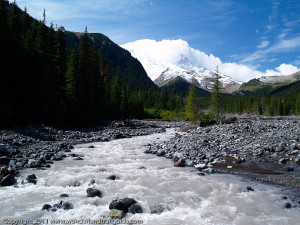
(49, 75)
(181, 86)
(131, 70)
(272, 101)
(287, 90)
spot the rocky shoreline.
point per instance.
(266, 149)
(262, 148)
(39, 146)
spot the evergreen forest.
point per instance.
(51, 76)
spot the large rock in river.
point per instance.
(8, 180)
(91, 192)
(122, 204)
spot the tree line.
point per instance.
(211, 109)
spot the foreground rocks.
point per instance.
(119, 207)
(263, 148)
(62, 205)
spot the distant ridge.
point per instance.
(181, 86)
(271, 85)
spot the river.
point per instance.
(188, 197)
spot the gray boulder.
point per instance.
(135, 208)
(92, 192)
(8, 180)
(32, 163)
(31, 179)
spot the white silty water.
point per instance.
(190, 198)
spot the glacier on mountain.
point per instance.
(167, 59)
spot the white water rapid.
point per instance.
(190, 198)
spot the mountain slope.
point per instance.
(287, 90)
(180, 85)
(131, 70)
(281, 80)
(166, 60)
(273, 85)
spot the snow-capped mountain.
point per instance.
(168, 59)
(286, 79)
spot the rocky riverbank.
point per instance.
(262, 148)
(39, 146)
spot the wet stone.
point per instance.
(32, 163)
(128, 202)
(64, 195)
(116, 214)
(8, 180)
(116, 204)
(287, 205)
(92, 182)
(46, 207)
(249, 189)
(31, 179)
(135, 208)
(91, 192)
(112, 177)
(67, 205)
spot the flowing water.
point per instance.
(188, 197)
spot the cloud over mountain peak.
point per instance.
(157, 56)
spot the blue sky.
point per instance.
(263, 35)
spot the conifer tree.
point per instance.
(216, 97)
(14, 22)
(116, 95)
(93, 75)
(124, 108)
(102, 94)
(83, 81)
(72, 79)
(191, 106)
(25, 24)
(60, 60)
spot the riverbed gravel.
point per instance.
(263, 148)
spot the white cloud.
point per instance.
(264, 44)
(285, 69)
(173, 50)
(282, 45)
(285, 45)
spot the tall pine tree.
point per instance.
(191, 106)
(216, 98)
